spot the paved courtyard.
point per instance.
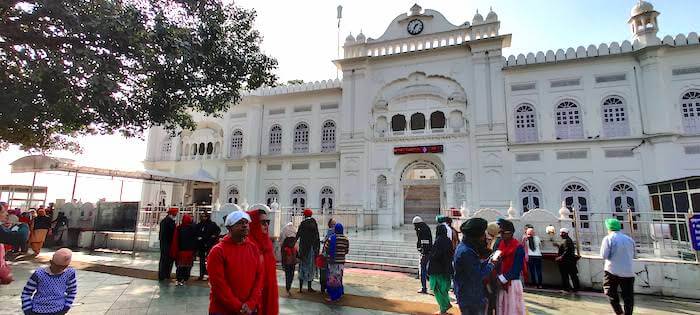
(118, 289)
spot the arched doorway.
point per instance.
(422, 190)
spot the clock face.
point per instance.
(415, 27)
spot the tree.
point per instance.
(77, 67)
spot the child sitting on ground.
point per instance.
(51, 290)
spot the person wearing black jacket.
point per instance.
(424, 244)
(183, 249)
(440, 268)
(165, 236)
(567, 260)
(207, 236)
(309, 247)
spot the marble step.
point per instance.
(396, 261)
(383, 248)
(381, 253)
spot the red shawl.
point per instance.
(175, 246)
(270, 295)
(507, 249)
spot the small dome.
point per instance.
(478, 19)
(360, 38)
(491, 17)
(641, 7)
(350, 38)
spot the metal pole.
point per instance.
(121, 191)
(136, 230)
(576, 227)
(630, 221)
(75, 182)
(31, 192)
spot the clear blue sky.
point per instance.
(302, 36)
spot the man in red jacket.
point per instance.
(235, 268)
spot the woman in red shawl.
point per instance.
(259, 229)
(183, 248)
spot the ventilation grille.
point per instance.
(692, 149)
(329, 106)
(527, 157)
(234, 168)
(276, 111)
(610, 78)
(618, 153)
(240, 115)
(683, 71)
(300, 166)
(570, 155)
(302, 109)
(563, 83)
(274, 167)
(523, 87)
(327, 165)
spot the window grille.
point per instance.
(417, 121)
(615, 122)
(328, 137)
(618, 153)
(325, 165)
(525, 124)
(274, 167)
(301, 138)
(398, 123)
(300, 166)
(563, 83)
(576, 196)
(437, 120)
(572, 155)
(275, 140)
(568, 121)
(326, 199)
(527, 157)
(624, 197)
(530, 197)
(233, 195)
(522, 87)
(610, 78)
(299, 198)
(271, 196)
(236, 144)
(690, 112)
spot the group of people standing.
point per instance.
(487, 267)
(329, 260)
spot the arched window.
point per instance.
(233, 195)
(530, 197)
(328, 136)
(271, 196)
(576, 196)
(690, 112)
(201, 148)
(525, 124)
(162, 198)
(236, 144)
(210, 148)
(194, 149)
(568, 120)
(166, 149)
(460, 188)
(301, 138)
(398, 123)
(624, 197)
(275, 140)
(381, 192)
(326, 199)
(437, 120)
(615, 122)
(417, 121)
(299, 198)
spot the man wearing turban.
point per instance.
(618, 250)
(165, 236)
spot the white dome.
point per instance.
(478, 19)
(641, 7)
(360, 37)
(350, 38)
(492, 16)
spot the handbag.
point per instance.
(320, 261)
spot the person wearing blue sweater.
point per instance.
(469, 269)
(51, 290)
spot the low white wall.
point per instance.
(657, 277)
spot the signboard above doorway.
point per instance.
(418, 149)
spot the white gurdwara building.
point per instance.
(431, 116)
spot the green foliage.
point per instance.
(77, 67)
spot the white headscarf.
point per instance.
(288, 231)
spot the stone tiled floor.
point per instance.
(100, 293)
(110, 294)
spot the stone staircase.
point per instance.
(423, 201)
(394, 251)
